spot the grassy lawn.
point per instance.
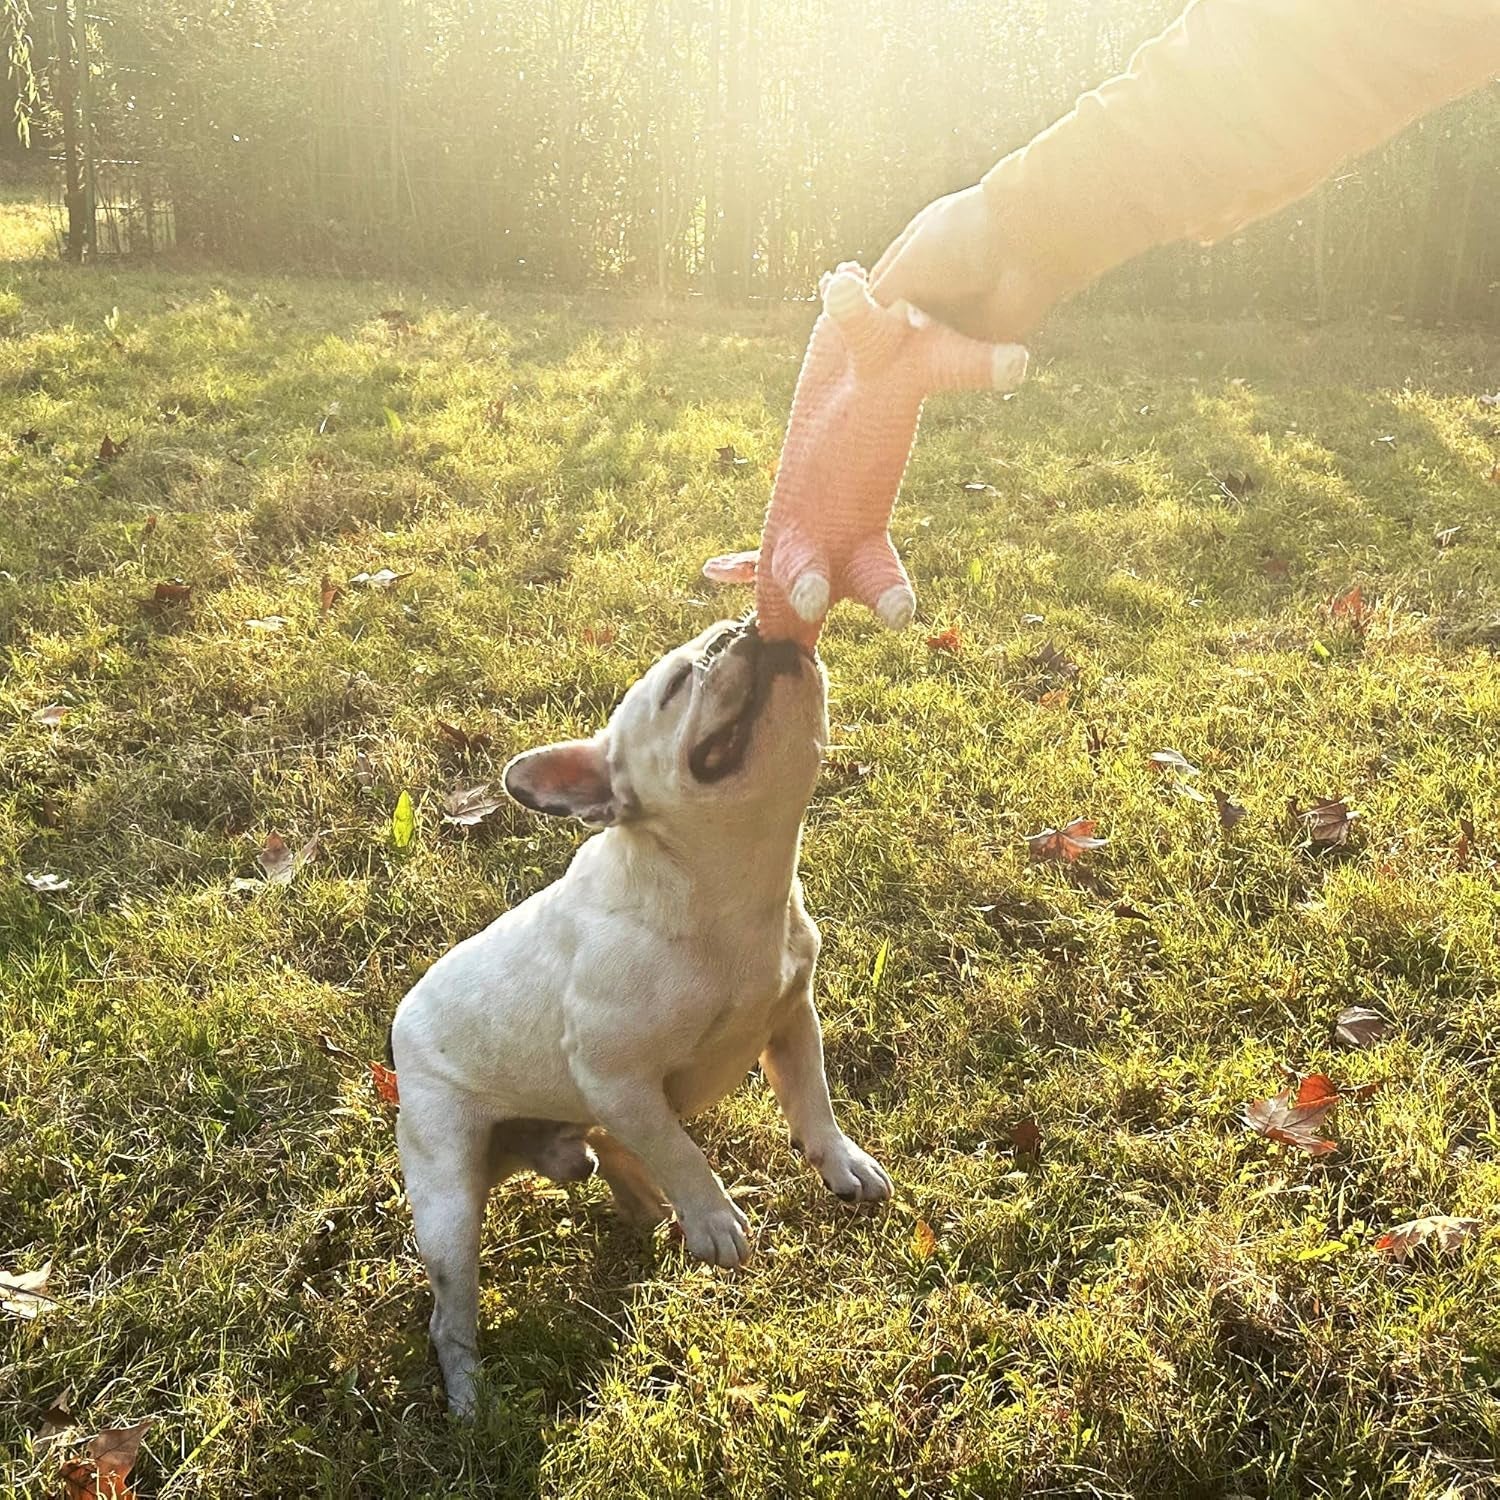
(1162, 1304)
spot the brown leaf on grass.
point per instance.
(1230, 812)
(1130, 913)
(1055, 698)
(102, 1475)
(384, 1080)
(149, 525)
(57, 1424)
(597, 635)
(949, 641)
(1097, 742)
(1327, 823)
(1358, 1026)
(329, 594)
(51, 716)
(1275, 567)
(31, 437)
(1495, 472)
(469, 805)
(728, 458)
(1463, 850)
(1171, 763)
(1351, 607)
(1065, 844)
(109, 450)
(1026, 1137)
(47, 884)
(384, 579)
(462, 740)
(1054, 663)
(23, 1294)
(494, 413)
(1295, 1117)
(924, 1240)
(171, 591)
(397, 319)
(481, 543)
(278, 860)
(1439, 1233)
(330, 1048)
(1236, 483)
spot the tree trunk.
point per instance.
(62, 41)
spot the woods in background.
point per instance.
(733, 147)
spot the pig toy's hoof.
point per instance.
(896, 606)
(1008, 368)
(809, 597)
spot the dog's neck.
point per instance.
(745, 863)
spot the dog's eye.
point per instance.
(675, 685)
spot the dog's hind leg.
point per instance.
(637, 1198)
(448, 1164)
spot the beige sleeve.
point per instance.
(1239, 107)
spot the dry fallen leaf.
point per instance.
(466, 806)
(1327, 823)
(31, 437)
(1064, 843)
(728, 458)
(598, 635)
(397, 319)
(1360, 1027)
(279, 861)
(102, 1475)
(329, 594)
(1026, 1137)
(1230, 812)
(172, 591)
(1053, 662)
(23, 1294)
(924, 1240)
(1171, 763)
(462, 740)
(1440, 1233)
(947, 640)
(1236, 483)
(384, 1079)
(1275, 567)
(384, 579)
(51, 716)
(1295, 1118)
(1055, 698)
(109, 450)
(1463, 849)
(1351, 606)
(330, 1048)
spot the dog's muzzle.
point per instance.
(722, 751)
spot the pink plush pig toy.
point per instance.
(854, 418)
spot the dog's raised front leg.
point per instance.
(636, 1112)
(445, 1159)
(793, 1062)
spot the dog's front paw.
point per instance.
(854, 1175)
(720, 1235)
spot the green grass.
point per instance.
(1163, 1306)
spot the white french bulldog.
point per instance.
(585, 1024)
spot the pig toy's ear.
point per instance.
(733, 567)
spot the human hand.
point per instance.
(953, 262)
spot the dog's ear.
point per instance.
(567, 780)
